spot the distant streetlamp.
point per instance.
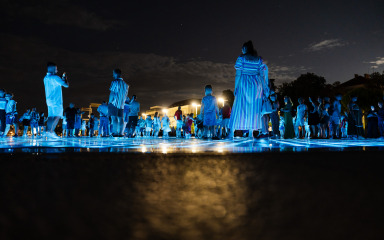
(222, 100)
(196, 106)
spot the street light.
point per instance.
(196, 106)
(222, 100)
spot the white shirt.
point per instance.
(53, 93)
(119, 92)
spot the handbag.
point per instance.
(266, 107)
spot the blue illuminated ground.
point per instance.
(173, 145)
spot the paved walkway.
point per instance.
(173, 145)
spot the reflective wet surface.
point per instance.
(173, 145)
(276, 195)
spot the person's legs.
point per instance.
(16, 126)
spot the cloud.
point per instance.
(155, 79)
(285, 73)
(378, 61)
(58, 12)
(326, 44)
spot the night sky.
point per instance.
(169, 50)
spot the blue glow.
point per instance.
(173, 145)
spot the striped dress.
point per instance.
(251, 75)
(119, 93)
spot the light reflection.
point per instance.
(173, 145)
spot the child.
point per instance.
(199, 126)
(104, 120)
(282, 127)
(307, 129)
(300, 115)
(41, 128)
(209, 110)
(148, 126)
(3, 104)
(34, 122)
(26, 120)
(219, 124)
(83, 127)
(156, 125)
(11, 115)
(166, 128)
(141, 125)
(64, 126)
(189, 122)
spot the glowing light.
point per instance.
(222, 100)
(143, 149)
(165, 111)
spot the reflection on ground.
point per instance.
(173, 145)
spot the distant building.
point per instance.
(91, 109)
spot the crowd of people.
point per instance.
(255, 109)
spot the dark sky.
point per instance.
(169, 50)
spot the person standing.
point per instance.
(54, 97)
(289, 131)
(104, 121)
(11, 115)
(179, 122)
(42, 120)
(156, 125)
(70, 114)
(249, 92)
(3, 104)
(209, 111)
(34, 122)
(26, 120)
(274, 115)
(335, 118)
(133, 115)
(226, 112)
(117, 97)
(300, 118)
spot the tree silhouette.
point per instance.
(229, 96)
(307, 85)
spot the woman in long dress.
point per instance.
(289, 131)
(251, 85)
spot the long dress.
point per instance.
(250, 76)
(275, 118)
(289, 130)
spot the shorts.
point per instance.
(34, 124)
(209, 119)
(225, 123)
(179, 124)
(11, 119)
(299, 122)
(70, 124)
(132, 121)
(55, 111)
(148, 129)
(114, 111)
(26, 122)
